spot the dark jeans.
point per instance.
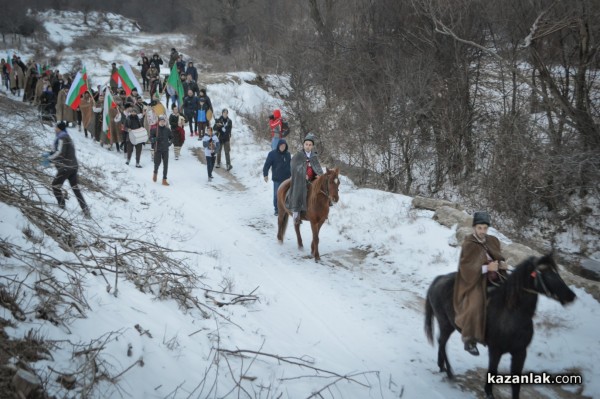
(138, 151)
(202, 128)
(191, 118)
(164, 157)
(61, 176)
(224, 146)
(276, 185)
(210, 164)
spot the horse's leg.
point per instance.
(494, 356)
(298, 236)
(314, 246)
(446, 329)
(516, 368)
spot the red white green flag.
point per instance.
(108, 104)
(78, 87)
(128, 79)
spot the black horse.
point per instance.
(510, 309)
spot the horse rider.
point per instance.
(305, 167)
(481, 263)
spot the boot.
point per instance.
(154, 177)
(229, 167)
(471, 347)
(165, 183)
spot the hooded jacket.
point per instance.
(279, 162)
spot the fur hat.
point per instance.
(310, 137)
(61, 125)
(481, 218)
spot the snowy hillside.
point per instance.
(350, 326)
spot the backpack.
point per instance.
(285, 128)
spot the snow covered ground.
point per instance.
(357, 313)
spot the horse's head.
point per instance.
(333, 184)
(547, 281)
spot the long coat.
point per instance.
(470, 285)
(17, 79)
(63, 111)
(85, 106)
(299, 189)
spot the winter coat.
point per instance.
(85, 106)
(211, 145)
(63, 156)
(157, 62)
(299, 188)
(145, 65)
(275, 126)
(161, 138)
(470, 285)
(280, 162)
(193, 86)
(17, 78)
(63, 111)
(202, 110)
(222, 128)
(191, 70)
(190, 105)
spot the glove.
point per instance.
(45, 161)
(266, 179)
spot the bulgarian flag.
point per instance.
(108, 104)
(78, 87)
(128, 79)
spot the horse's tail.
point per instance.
(282, 219)
(283, 222)
(428, 320)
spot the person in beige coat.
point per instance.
(85, 106)
(17, 80)
(63, 111)
(480, 262)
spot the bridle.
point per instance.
(537, 283)
(325, 191)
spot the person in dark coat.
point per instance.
(156, 61)
(480, 261)
(190, 107)
(161, 137)
(279, 161)
(190, 84)
(305, 168)
(144, 63)
(191, 70)
(223, 128)
(64, 159)
(132, 122)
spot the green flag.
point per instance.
(175, 82)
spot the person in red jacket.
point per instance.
(275, 124)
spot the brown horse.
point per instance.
(322, 192)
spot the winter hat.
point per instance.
(277, 113)
(310, 137)
(61, 125)
(134, 89)
(481, 218)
